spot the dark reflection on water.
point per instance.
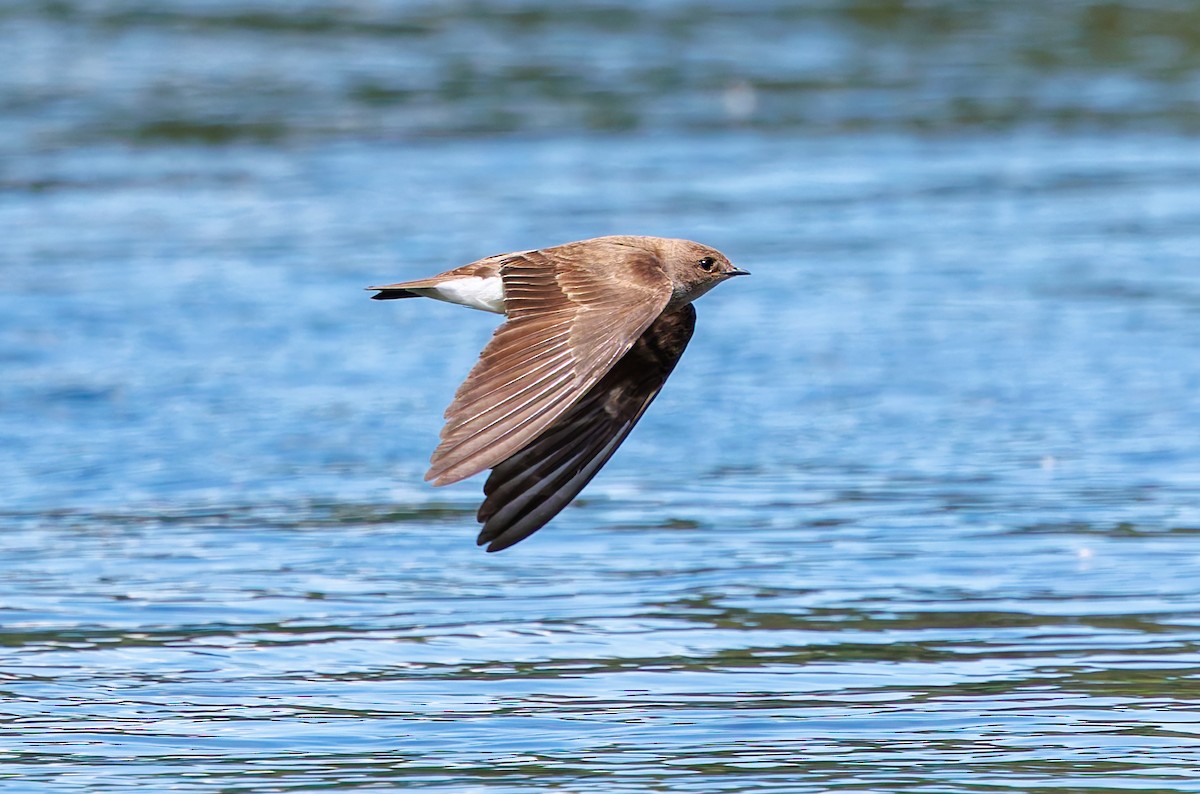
(918, 510)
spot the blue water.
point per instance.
(918, 511)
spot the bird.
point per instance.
(593, 329)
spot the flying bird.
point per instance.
(593, 329)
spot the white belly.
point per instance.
(486, 294)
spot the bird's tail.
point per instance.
(389, 293)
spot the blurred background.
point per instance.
(940, 529)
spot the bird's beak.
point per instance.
(737, 271)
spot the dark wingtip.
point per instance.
(500, 538)
(494, 544)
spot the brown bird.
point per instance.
(594, 328)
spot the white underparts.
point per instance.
(486, 294)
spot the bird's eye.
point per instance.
(706, 263)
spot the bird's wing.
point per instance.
(573, 311)
(531, 487)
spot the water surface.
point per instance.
(918, 511)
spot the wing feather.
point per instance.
(573, 312)
(529, 488)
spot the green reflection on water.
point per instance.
(489, 69)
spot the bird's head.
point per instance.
(694, 269)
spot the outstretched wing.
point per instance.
(573, 311)
(529, 488)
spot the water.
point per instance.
(918, 511)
